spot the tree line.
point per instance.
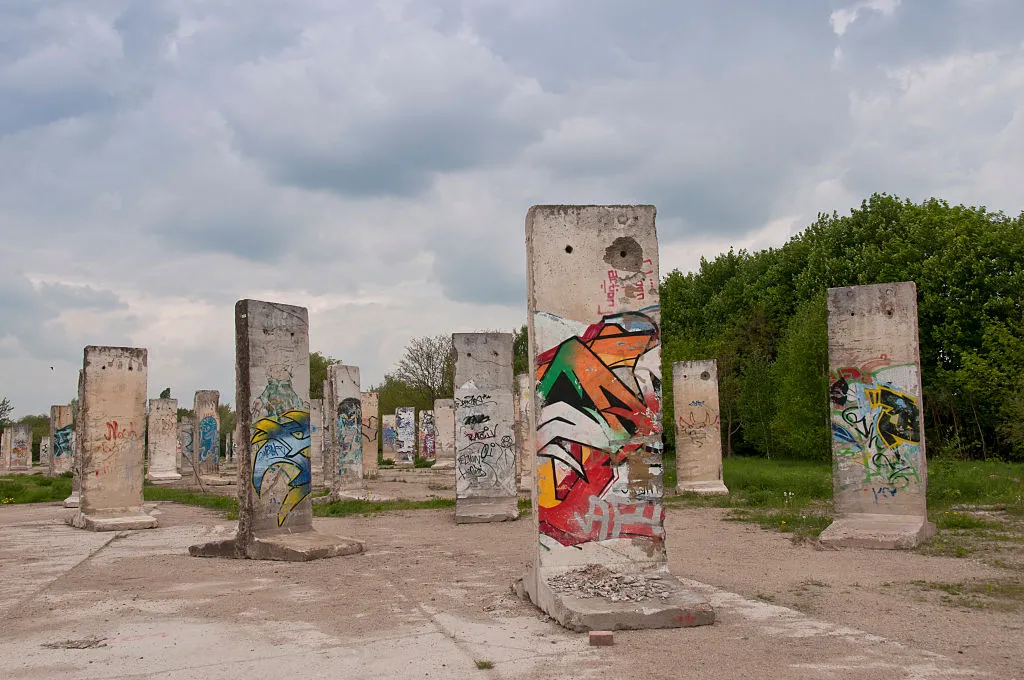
(763, 316)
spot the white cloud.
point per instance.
(841, 19)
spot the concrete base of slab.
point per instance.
(471, 510)
(71, 501)
(299, 547)
(166, 477)
(680, 608)
(127, 521)
(882, 532)
(713, 488)
(217, 480)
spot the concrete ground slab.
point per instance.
(482, 509)
(108, 522)
(678, 607)
(881, 532)
(71, 501)
(428, 599)
(712, 488)
(298, 547)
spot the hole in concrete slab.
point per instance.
(852, 314)
(705, 375)
(888, 312)
(469, 354)
(625, 253)
(568, 249)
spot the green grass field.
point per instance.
(36, 488)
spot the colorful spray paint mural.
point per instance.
(389, 437)
(350, 442)
(428, 436)
(209, 440)
(21, 447)
(62, 442)
(876, 426)
(599, 472)
(405, 439)
(281, 442)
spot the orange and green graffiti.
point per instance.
(598, 434)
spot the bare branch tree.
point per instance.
(428, 366)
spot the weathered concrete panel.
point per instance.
(595, 354)
(370, 406)
(163, 440)
(427, 436)
(316, 439)
(698, 431)
(186, 448)
(485, 445)
(878, 445)
(5, 448)
(21, 447)
(112, 415)
(345, 472)
(44, 452)
(444, 423)
(525, 448)
(405, 435)
(206, 436)
(76, 448)
(61, 431)
(389, 437)
(275, 517)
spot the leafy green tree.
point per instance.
(165, 393)
(520, 350)
(428, 367)
(318, 364)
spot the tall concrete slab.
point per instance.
(44, 452)
(595, 355)
(72, 501)
(5, 448)
(162, 440)
(345, 468)
(61, 430)
(444, 422)
(275, 514)
(389, 437)
(370, 407)
(698, 432)
(206, 431)
(316, 440)
(878, 448)
(112, 417)
(405, 436)
(525, 447)
(21, 447)
(485, 445)
(427, 436)
(186, 448)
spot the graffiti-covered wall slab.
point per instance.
(61, 428)
(427, 439)
(485, 445)
(698, 430)
(186, 448)
(5, 448)
(162, 440)
(525, 448)
(595, 326)
(272, 369)
(44, 452)
(21, 447)
(112, 415)
(875, 395)
(405, 435)
(389, 437)
(206, 436)
(370, 406)
(346, 437)
(316, 439)
(444, 425)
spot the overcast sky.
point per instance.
(374, 161)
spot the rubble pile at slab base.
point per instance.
(595, 580)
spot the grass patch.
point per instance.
(525, 505)
(226, 504)
(484, 665)
(35, 488)
(356, 507)
(418, 462)
(953, 482)
(1000, 595)
(387, 462)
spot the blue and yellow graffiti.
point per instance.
(283, 441)
(209, 440)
